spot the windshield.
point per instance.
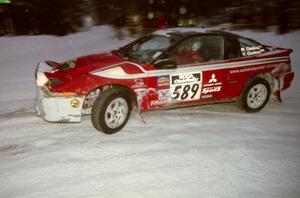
(146, 49)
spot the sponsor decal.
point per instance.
(185, 78)
(213, 79)
(141, 93)
(139, 83)
(207, 90)
(247, 69)
(75, 103)
(159, 102)
(212, 86)
(207, 96)
(163, 81)
(163, 94)
(185, 86)
(163, 97)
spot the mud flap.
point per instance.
(281, 82)
(276, 89)
(139, 112)
(276, 96)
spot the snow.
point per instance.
(208, 151)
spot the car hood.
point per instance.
(85, 64)
(97, 60)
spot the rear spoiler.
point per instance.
(272, 48)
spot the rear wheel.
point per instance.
(111, 111)
(255, 95)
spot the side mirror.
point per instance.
(165, 64)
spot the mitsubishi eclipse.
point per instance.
(166, 69)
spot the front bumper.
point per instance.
(52, 108)
(58, 109)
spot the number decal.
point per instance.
(185, 86)
(176, 91)
(185, 93)
(195, 89)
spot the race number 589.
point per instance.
(185, 87)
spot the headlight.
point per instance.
(63, 94)
(41, 79)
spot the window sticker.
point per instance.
(185, 86)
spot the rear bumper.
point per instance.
(285, 80)
(58, 109)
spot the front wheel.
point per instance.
(111, 111)
(256, 95)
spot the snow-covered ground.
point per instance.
(207, 151)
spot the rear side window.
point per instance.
(213, 47)
(250, 48)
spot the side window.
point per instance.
(250, 48)
(150, 49)
(232, 49)
(198, 50)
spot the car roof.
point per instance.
(179, 31)
(185, 32)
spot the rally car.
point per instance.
(166, 69)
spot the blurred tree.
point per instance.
(63, 17)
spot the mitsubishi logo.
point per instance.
(212, 79)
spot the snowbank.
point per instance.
(20, 55)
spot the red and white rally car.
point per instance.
(169, 68)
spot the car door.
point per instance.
(195, 79)
(216, 83)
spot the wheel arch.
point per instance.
(269, 77)
(132, 94)
(101, 88)
(254, 81)
(274, 85)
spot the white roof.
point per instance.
(165, 32)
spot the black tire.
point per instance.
(255, 95)
(102, 103)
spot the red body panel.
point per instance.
(194, 84)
